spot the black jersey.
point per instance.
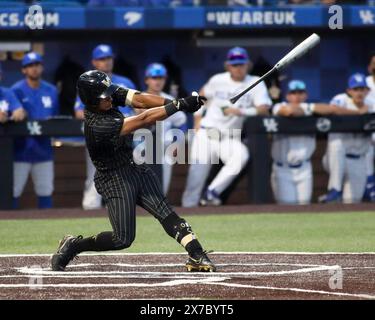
(107, 148)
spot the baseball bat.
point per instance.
(294, 54)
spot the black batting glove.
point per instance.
(192, 103)
(119, 97)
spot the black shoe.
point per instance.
(65, 253)
(201, 264)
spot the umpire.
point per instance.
(122, 183)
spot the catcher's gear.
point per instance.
(65, 253)
(94, 85)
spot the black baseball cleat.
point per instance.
(200, 264)
(65, 253)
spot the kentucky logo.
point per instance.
(47, 101)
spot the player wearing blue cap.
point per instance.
(35, 154)
(102, 60)
(10, 107)
(215, 128)
(292, 177)
(155, 79)
(345, 158)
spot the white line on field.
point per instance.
(343, 294)
(47, 271)
(115, 285)
(182, 253)
(170, 265)
(212, 281)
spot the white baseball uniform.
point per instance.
(345, 157)
(214, 140)
(292, 177)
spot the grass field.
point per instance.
(349, 232)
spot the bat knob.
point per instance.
(194, 93)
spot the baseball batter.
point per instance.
(122, 183)
(34, 154)
(292, 177)
(215, 138)
(102, 60)
(155, 78)
(345, 158)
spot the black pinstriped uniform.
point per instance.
(122, 183)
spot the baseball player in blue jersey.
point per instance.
(10, 107)
(34, 154)
(102, 60)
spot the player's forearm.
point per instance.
(147, 101)
(147, 118)
(289, 111)
(330, 109)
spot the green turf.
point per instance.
(351, 232)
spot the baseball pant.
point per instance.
(292, 185)
(334, 164)
(355, 179)
(91, 198)
(42, 174)
(370, 161)
(206, 151)
(122, 190)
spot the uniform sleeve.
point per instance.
(78, 105)
(13, 101)
(260, 95)
(338, 101)
(277, 108)
(209, 89)
(108, 128)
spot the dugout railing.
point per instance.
(257, 130)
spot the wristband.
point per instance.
(249, 112)
(171, 108)
(129, 96)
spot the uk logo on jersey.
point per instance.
(4, 105)
(47, 101)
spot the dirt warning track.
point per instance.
(163, 276)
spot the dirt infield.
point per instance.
(163, 276)
(272, 208)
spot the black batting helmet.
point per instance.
(94, 85)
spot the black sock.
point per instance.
(101, 242)
(194, 248)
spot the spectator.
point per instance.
(35, 154)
